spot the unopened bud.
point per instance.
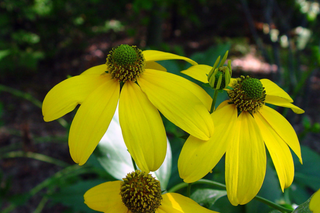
(219, 76)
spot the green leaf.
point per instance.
(72, 195)
(298, 193)
(306, 122)
(4, 53)
(115, 159)
(207, 197)
(209, 57)
(308, 174)
(303, 208)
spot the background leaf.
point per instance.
(207, 197)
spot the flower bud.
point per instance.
(219, 76)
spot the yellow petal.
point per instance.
(279, 152)
(314, 202)
(198, 72)
(142, 128)
(96, 70)
(154, 65)
(66, 95)
(155, 55)
(278, 101)
(176, 203)
(105, 198)
(92, 120)
(245, 161)
(273, 89)
(194, 152)
(179, 100)
(283, 128)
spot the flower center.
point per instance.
(125, 63)
(141, 192)
(248, 94)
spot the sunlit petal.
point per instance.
(198, 72)
(92, 120)
(66, 95)
(154, 65)
(279, 151)
(278, 101)
(142, 128)
(283, 128)
(314, 202)
(155, 55)
(105, 198)
(195, 152)
(176, 203)
(96, 70)
(272, 89)
(180, 100)
(245, 161)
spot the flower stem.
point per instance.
(214, 99)
(134, 164)
(220, 185)
(189, 190)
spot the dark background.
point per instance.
(42, 42)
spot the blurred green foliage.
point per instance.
(39, 29)
(48, 30)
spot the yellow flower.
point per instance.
(138, 192)
(314, 202)
(244, 125)
(145, 88)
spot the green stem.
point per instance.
(134, 164)
(272, 204)
(30, 98)
(36, 156)
(214, 99)
(20, 94)
(220, 185)
(41, 205)
(189, 189)
(10, 208)
(70, 171)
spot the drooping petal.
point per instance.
(105, 198)
(154, 65)
(272, 89)
(142, 128)
(278, 101)
(195, 152)
(184, 103)
(279, 152)
(198, 72)
(92, 120)
(283, 128)
(314, 202)
(66, 95)
(245, 161)
(155, 55)
(277, 96)
(96, 70)
(176, 203)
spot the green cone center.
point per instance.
(141, 192)
(248, 94)
(125, 63)
(252, 87)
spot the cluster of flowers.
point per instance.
(240, 128)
